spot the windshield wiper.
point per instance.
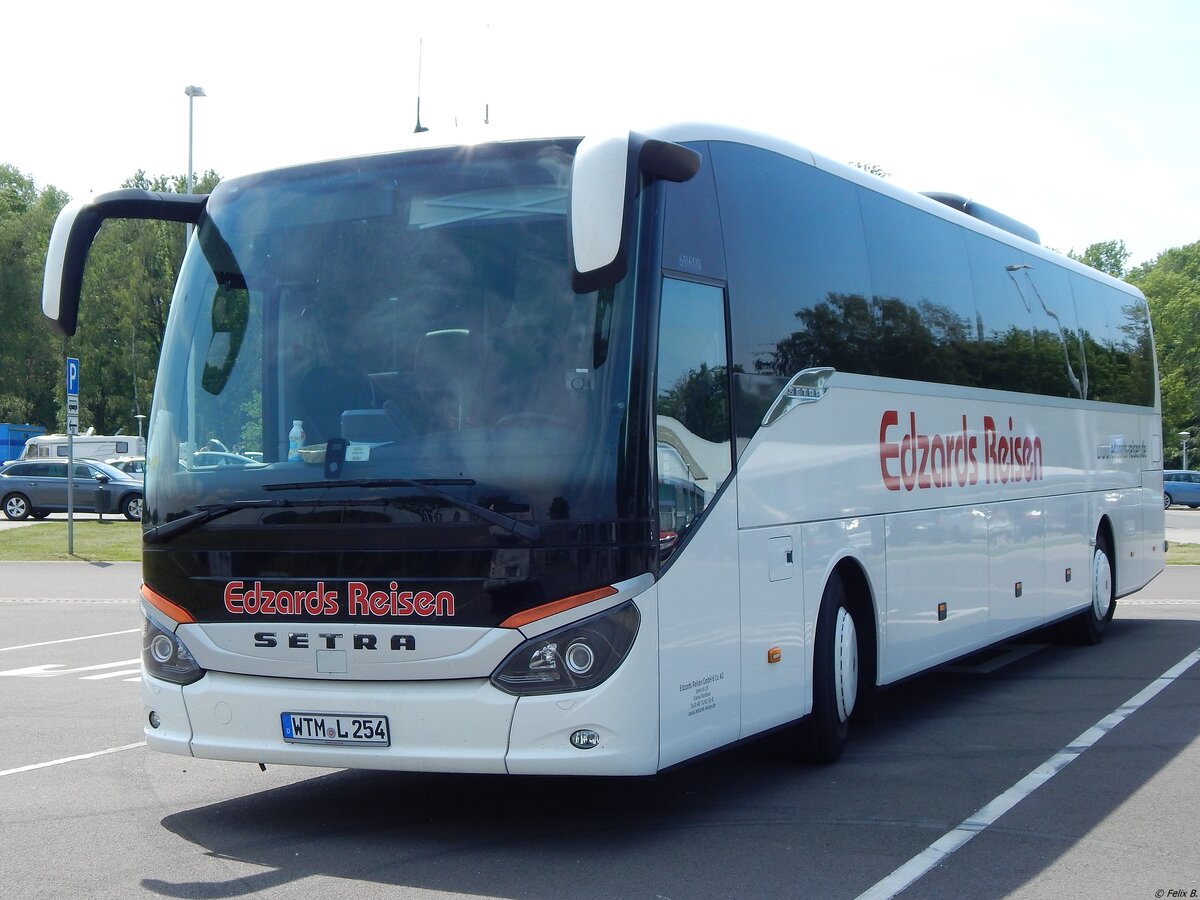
(531, 533)
(168, 530)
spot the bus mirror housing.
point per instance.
(604, 183)
(75, 229)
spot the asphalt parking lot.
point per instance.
(1052, 771)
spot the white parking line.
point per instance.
(67, 759)
(939, 851)
(112, 675)
(46, 670)
(86, 637)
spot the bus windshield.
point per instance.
(345, 335)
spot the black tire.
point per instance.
(16, 507)
(836, 676)
(1167, 501)
(39, 513)
(1087, 627)
(131, 507)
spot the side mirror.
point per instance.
(76, 227)
(102, 478)
(604, 181)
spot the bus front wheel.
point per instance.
(823, 734)
(1087, 627)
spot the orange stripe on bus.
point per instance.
(549, 609)
(163, 605)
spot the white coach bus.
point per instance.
(608, 452)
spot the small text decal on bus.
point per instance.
(256, 600)
(910, 458)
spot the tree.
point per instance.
(872, 168)
(1171, 284)
(130, 276)
(1109, 257)
(30, 355)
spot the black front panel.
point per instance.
(467, 577)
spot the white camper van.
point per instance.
(87, 446)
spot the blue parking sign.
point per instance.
(72, 375)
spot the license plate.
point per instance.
(339, 729)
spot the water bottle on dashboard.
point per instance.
(295, 440)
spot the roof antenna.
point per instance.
(420, 52)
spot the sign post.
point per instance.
(72, 430)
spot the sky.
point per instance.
(1077, 117)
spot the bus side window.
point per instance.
(692, 417)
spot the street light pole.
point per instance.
(1185, 436)
(192, 92)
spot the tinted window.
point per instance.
(419, 303)
(824, 273)
(1115, 331)
(798, 277)
(692, 236)
(1058, 368)
(921, 294)
(692, 415)
(1004, 316)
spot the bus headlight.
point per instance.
(574, 658)
(165, 656)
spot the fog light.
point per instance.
(155, 721)
(584, 739)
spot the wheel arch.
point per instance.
(861, 599)
(1105, 528)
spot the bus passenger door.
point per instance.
(698, 593)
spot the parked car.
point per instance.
(209, 459)
(38, 487)
(133, 465)
(1182, 487)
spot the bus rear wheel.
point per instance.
(1087, 627)
(822, 736)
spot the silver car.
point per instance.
(38, 487)
(132, 465)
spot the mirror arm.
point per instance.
(76, 228)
